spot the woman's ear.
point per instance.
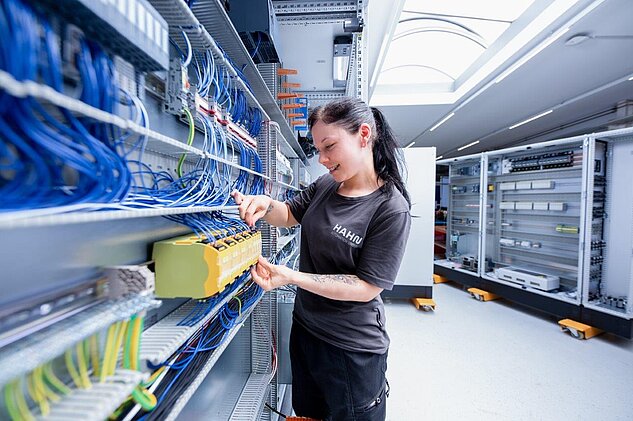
(365, 134)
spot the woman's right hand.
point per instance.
(252, 208)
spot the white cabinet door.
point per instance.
(417, 264)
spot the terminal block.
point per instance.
(129, 279)
(194, 267)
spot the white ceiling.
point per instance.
(579, 81)
(556, 77)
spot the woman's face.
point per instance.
(342, 153)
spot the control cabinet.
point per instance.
(534, 233)
(549, 225)
(608, 252)
(462, 231)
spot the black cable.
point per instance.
(275, 411)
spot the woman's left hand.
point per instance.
(269, 276)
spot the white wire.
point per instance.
(189, 52)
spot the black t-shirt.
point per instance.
(363, 236)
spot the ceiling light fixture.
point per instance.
(530, 119)
(410, 144)
(631, 78)
(442, 121)
(439, 157)
(577, 39)
(582, 37)
(532, 53)
(468, 146)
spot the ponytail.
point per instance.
(388, 158)
(350, 113)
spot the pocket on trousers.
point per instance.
(373, 404)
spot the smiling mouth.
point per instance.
(334, 168)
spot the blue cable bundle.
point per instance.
(209, 224)
(207, 183)
(204, 307)
(216, 83)
(285, 252)
(46, 161)
(49, 157)
(192, 356)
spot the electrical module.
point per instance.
(195, 267)
(528, 278)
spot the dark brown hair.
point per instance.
(350, 113)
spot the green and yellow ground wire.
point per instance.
(83, 366)
(192, 130)
(94, 354)
(83, 360)
(36, 394)
(70, 367)
(51, 379)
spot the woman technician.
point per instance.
(355, 224)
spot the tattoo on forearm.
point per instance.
(270, 209)
(344, 279)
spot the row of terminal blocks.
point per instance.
(551, 206)
(191, 266)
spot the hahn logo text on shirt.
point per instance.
(351, 237)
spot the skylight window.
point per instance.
(435, 42)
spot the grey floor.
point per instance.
(473, 360)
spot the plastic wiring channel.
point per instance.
(27, 354)
(202, 374)
(103, 398)
(165, 337)
(196, 349)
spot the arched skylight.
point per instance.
(435, 42)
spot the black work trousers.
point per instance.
(330, 383)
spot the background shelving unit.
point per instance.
(557, 217)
